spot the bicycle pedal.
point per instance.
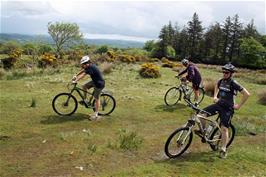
(203, 140)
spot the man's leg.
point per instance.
(96, 94)
(224, 137)
(226, 116)
(86, 86)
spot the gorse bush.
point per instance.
(13, 56)
(126, 58)
(47, 59)
(149, 70)
(129, 140)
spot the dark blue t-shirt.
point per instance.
(96, 75)
(227, 90)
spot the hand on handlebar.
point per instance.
(74, 78)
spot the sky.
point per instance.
(125, 20)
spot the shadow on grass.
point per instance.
(56, 119)
(206, 157)
(166, 108)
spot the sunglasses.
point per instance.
(226, 72)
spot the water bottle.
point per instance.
(210, 128)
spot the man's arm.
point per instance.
(79, 76)
(245, 95)
(215, 98)
(182, 72)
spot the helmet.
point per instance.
(229, 67)
(184, 61)
(85, 59)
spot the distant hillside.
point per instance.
(47, 39)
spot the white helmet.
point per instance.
(84, 59)
(185, 61)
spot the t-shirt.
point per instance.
(227, 91)
(193, 74)
(96, 75)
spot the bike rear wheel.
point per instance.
(178, 142)
(65, 104)
(201, 96)
(172, 96)
(217, 135)
(107, 104)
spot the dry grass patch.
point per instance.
(262, 96)
(209, 85)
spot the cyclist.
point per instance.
(97, 82)
(224, 93)
(193, 75)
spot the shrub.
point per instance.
(47, 59)
(75, 55)
(209, 85)
(13, 56)
(111, 54)
(262, 96)
(129, 140)
(149, 70)
(33, 103)
(126, 58)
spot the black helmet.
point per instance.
(229, 67)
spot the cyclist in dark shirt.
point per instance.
(193, 75)
(97, 81)
(224, 93)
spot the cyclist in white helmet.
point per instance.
(97, 81)
(193, 75)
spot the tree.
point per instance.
(226, 28)
(102, 49)
(251, 31)
(183, 43)
(235, 37)
(195, 31)
(149, 45)
(63, 34)
(170, 52)
(253, 52)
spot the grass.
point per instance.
(41, 143)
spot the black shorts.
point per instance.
(195, 85)
(225, 113)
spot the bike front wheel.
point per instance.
(178, 142)
(217, 134)
(172, 96)
(107, 104)
(200, 98)
(65, 104)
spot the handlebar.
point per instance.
(194, 107)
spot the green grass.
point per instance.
(41, 143)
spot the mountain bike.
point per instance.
(66, 104)
(174, 94)
(179, 141)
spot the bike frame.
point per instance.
(195, 120)
(79, 90)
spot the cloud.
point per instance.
(26, 9)
(129, 18)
